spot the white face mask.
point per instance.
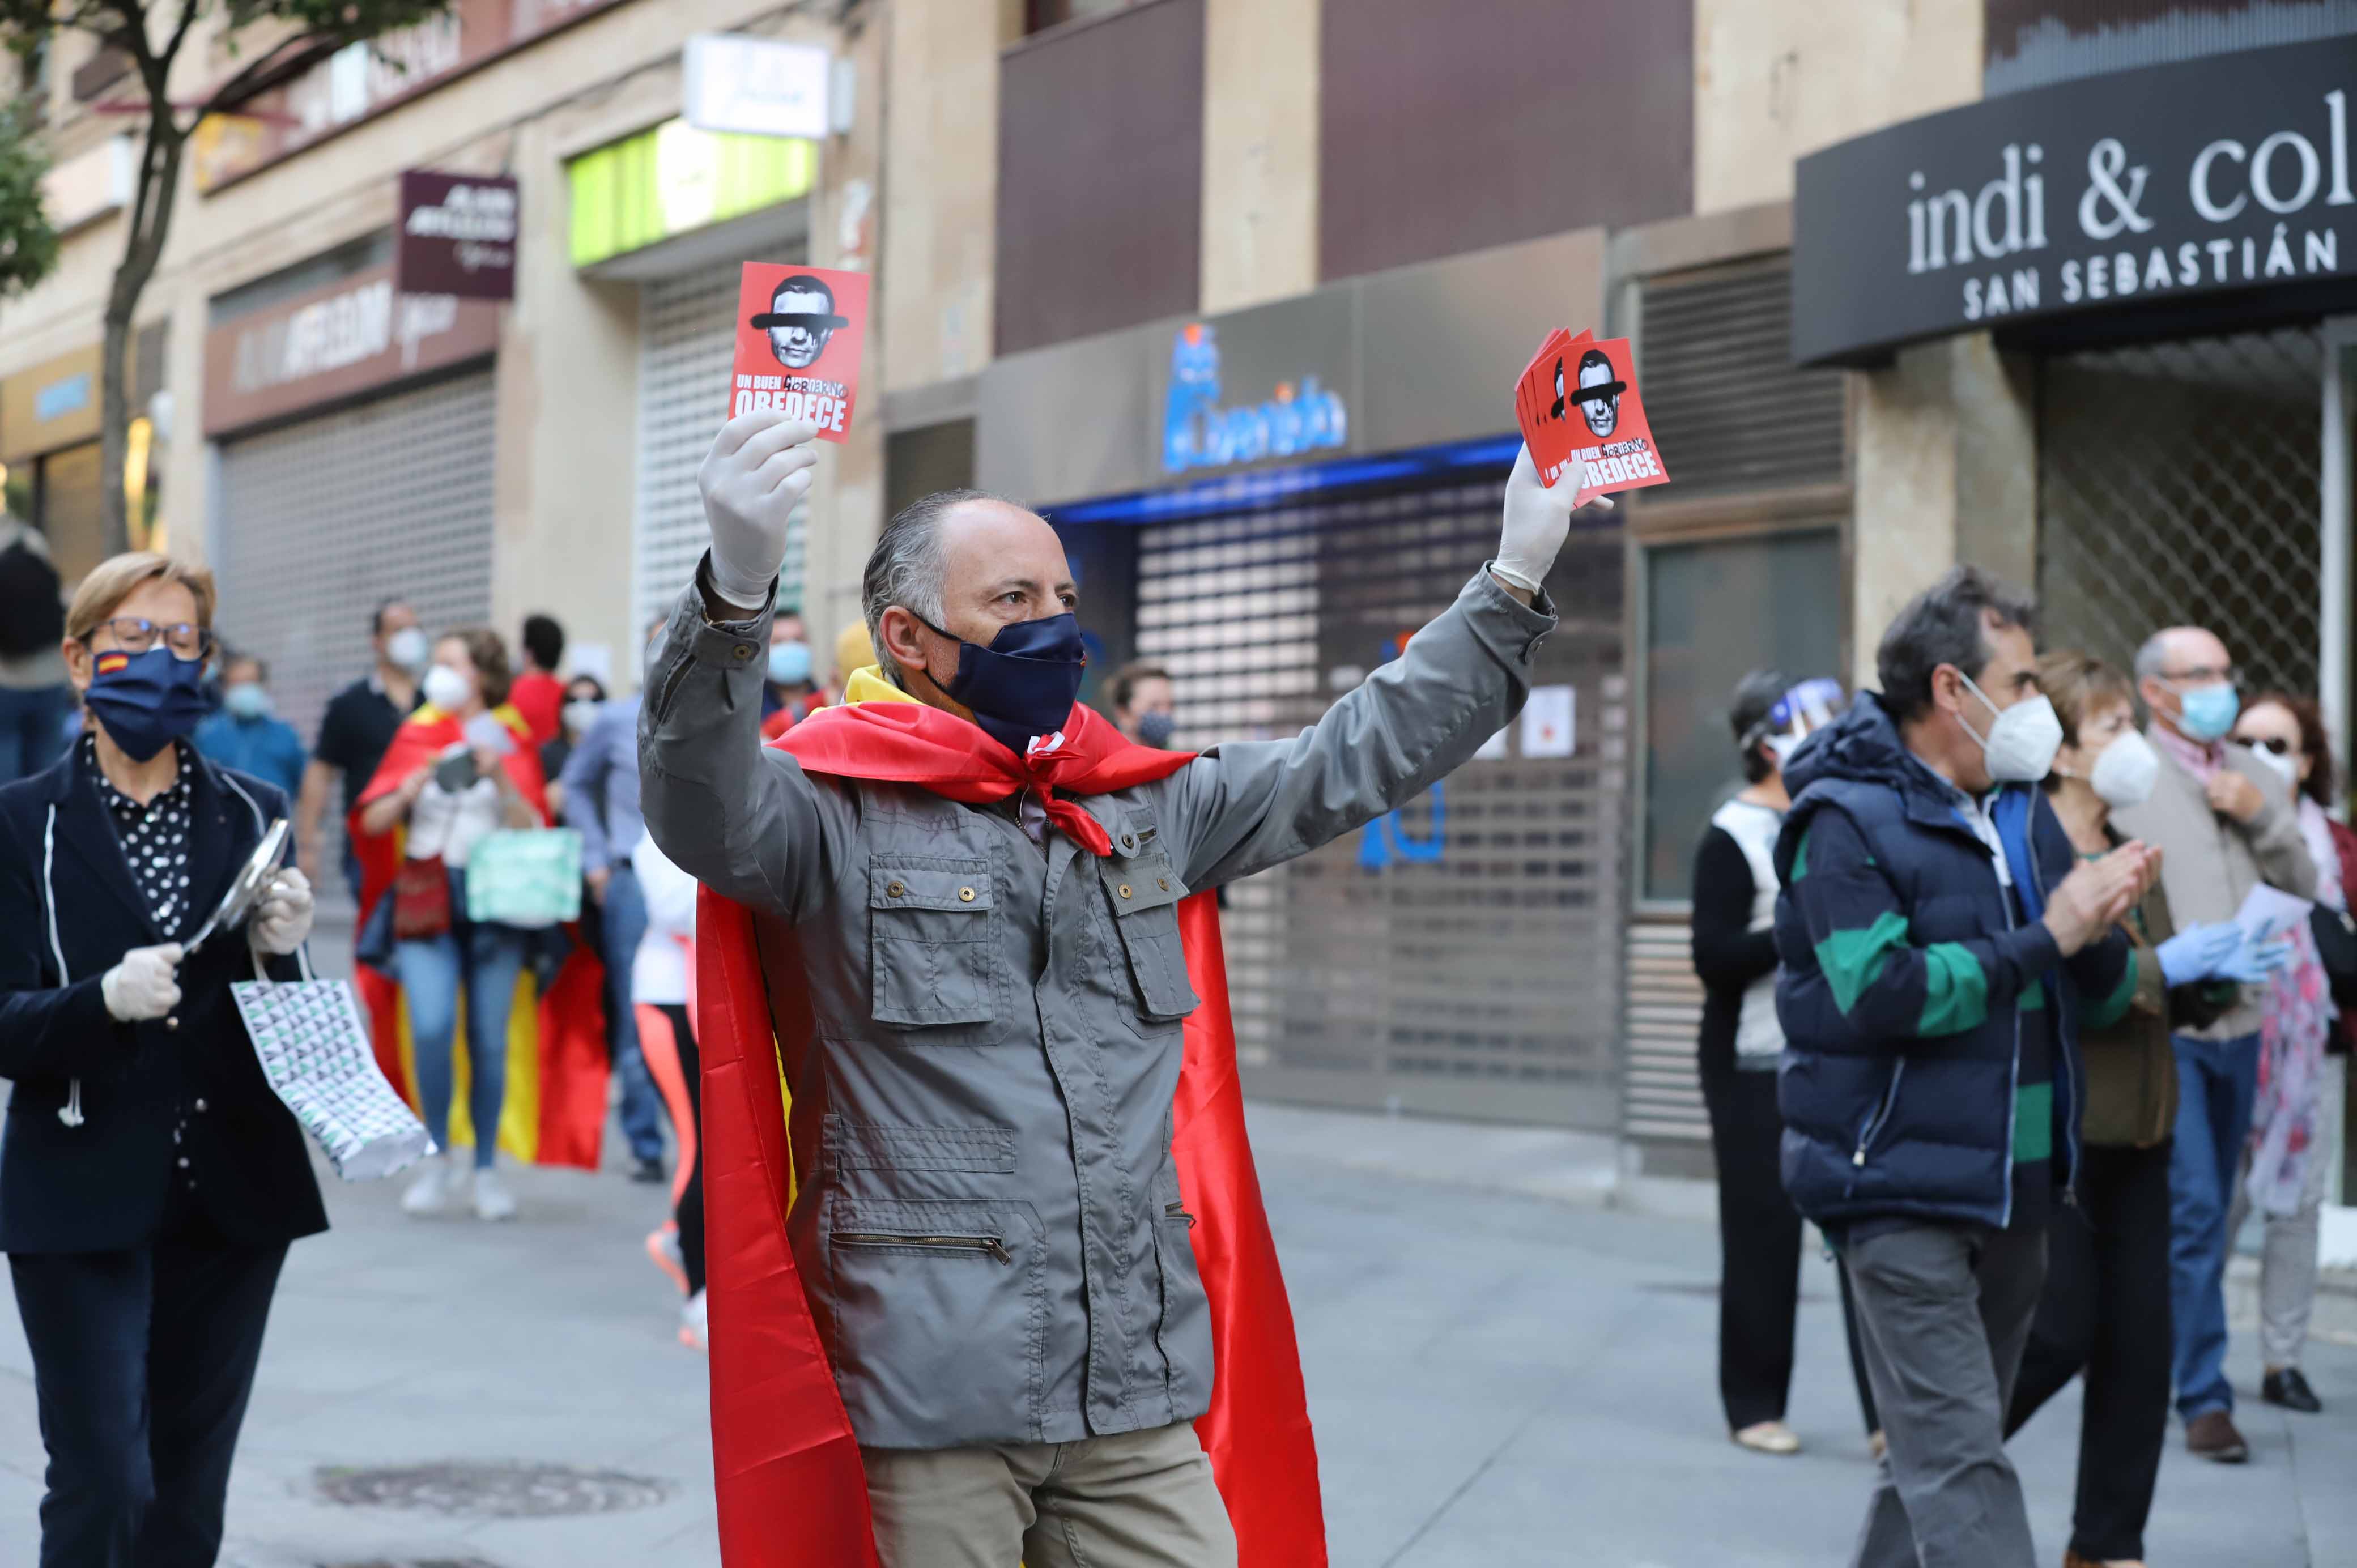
(2021, 740)
(408, 649)
(1783, 745)
(446, 689)
(2287, 765)
(580, 714)
(2126, 772)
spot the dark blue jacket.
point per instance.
(1906, 971)
(68, 911)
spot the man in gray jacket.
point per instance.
(992, 1236)
(2224, 825)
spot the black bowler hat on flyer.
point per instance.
(814, 320)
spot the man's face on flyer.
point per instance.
(797, 345)
(1603, 413)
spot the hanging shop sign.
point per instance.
(355, 335)
(756, 87)
(2174, 184)
(457, 235)
(673, 179)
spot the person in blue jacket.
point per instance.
(246, 735)
(1942, 943)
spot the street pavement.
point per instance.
(1502, 1372)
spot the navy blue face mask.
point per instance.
(147, 701)
(1024, 685)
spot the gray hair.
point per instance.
(2153, 657)
(1942, 625)
(909, 565)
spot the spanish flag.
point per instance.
(556, 1108)
(792, 1490)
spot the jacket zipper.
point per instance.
(2065, 1070)
(990, 1246)
(1889, 1100)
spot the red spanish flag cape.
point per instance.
(786, 1465)
(556, 1108)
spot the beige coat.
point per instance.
(2211, 862)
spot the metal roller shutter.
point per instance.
(1461, 957)
(325, 519)
(687, 336)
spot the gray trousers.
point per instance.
(1142, 1499)
(2287, 1261)
(1943, 1312)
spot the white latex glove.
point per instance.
(1538, 519)
(758, 470)
(142, 985)
(281, 918)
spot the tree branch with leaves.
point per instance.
(29, 245)
(152, 34)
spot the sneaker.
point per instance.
(2289, 1388)
(431, 1189)
(693, 1329)
(1768, 1437)
(491, 1198)
(662, 1247)
(650, 1172)
(2213, 1435)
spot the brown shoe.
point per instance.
(2212, 1434)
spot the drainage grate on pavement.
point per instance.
(490, 1489)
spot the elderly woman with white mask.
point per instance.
(2103, 1310)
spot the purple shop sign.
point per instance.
(457, 235)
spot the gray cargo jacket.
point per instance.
(981, 1032)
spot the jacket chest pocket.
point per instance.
(1143, 892)
(932, 958)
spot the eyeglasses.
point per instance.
(2207, 675)
(134, 634)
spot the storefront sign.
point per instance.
(350, 336)
(457, 235)
(673, 179)
(90, 185)
(1199, 432)
(756, 87)
(364, 80)
(52, 404)
(2145, 187)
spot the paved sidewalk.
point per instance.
(1498, 1378)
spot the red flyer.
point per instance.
(798, 332)
(1578, 398)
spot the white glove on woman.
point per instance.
(142, 985)
(758, 470)
(1538, 519)
(281, 920)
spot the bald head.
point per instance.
(967, 564)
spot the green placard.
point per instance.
(673, 179)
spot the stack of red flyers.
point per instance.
(1577, 400)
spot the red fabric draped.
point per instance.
(791, 1491)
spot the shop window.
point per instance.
(70, 509)
(1713, 612)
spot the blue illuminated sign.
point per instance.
(1197, 432)
(70, 394)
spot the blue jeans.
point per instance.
(625, 914)
(2216, 1081)
(487, 960)
(32, 728)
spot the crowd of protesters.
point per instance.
(1985, 1007)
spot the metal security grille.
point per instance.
(2179, 482)
(687, 333)
(1728, 408)
(325, 519)
(1462, 955)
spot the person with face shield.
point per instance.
(2224, 822)
(963, 920)
(1942, 945)
(150, 1180)
(1734, 955)
(2104, 1309)
(2285, 1168)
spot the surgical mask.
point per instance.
(2285, 766)
(446, 689)
(580, 715)
(408, 649)
(789, 663)
(2207, 714)
(1024, 685)
(1783, 745)
(2124, 776)
(1154, 730)
(146, 700)
(2021, 740)
(246, 701)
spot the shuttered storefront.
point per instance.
(686, 337)
(1461, 956)
(323, 519)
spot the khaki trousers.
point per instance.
(1141, 1499)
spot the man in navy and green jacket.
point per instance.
(1942, 944)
